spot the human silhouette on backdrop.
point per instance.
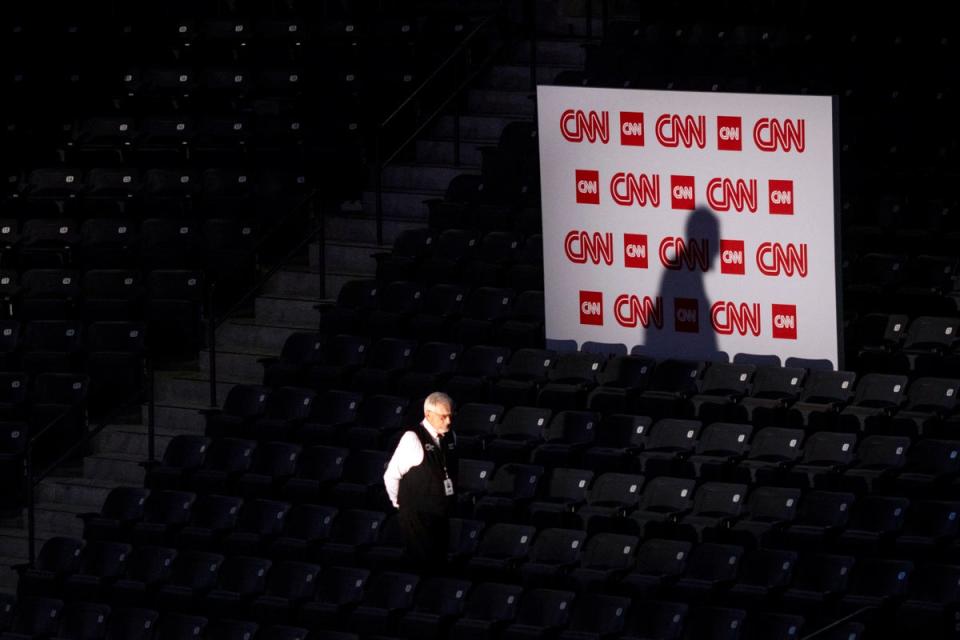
(686, 332)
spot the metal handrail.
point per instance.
(837, 623)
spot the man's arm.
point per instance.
(408, 454)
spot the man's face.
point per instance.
(439, 418)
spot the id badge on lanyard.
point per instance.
(447, 486)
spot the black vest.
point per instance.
(421, 488)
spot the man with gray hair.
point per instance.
(419, 482)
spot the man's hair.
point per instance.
(436, 400)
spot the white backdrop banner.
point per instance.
(690, 225)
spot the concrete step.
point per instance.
(349, 256)
(497, 101)
(188, 387)
(517, 77)
(8, 577)
(13, 544)
(184, 417)
(297, 283)
(335, 281)
(132, 439)
(83, 492)
(423, 176)
(287, 310)
(441, 151)
(407, 205)
(485, 126)
(246, 336)
(552, 52)
(60, 518)
(241, 365)
(361, 227)
(118, 467)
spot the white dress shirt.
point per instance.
(408, 454)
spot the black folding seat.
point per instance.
(655, 619)
(873, 523)
(35, 618)
(319, 468)
(609, 499)
(930, 468)
(343, 354)
(476, 425)
(932, 594)
(135, 624)
(502, 548)
(165, 512)
(122, 507)
(774, 388)
(570, 379)
(355, 300)
(164, 140)
(399, 300)
(84, 621)
(387, 552)
(13, 395)
(410, 248)
(711, 568)
(453, 212)
(463, 539)
(49, 294)
(524, 324)
(212, 517)
(110, 191)
(182, 456)
(109, 243)
(433, 363)
(484, 309)
(13, 445)
(283, 632)
(820, 517)
(170, 243)
(768, 511)
(331, 414)
(387, 359)
(9, 292)
(168, 193)
(605, 559)
(618, 438)
(362, 480)
(517, 434)
(554, 553)
(174, 299)
(9, 240)
(771, 450)
(223, 192)
(472, 482)
(286, 408)
(496, 251)
(773, 626)
(112, 294)
(353, 532)
(239, 581)
(824, 393)
(179, 626)
(441, 307)
(194, 574)
(116, 364)
(259, 524)
(658, 563)
(511, 490)
(929, 402)
(669, 441)
(226, 629)
(229, 252)
(541, 613)
(388, 596)
(927, 339)
(876, 582)
(672, 383)
(569, 433)
(54, 188)
(51, 345)
(929, 527)
(825, 456)
(877, 397)
(290, 584)
(452, 250)
(147, 568)
(723, 384)
(764, 575)
(719, 446)
(664, 499)
(58, 558)
(877, 457)
(225, 461)
(523, 375)
(273, 464)
(488, 608)
(439, 601)
(58, 399)
(339, 590)
(566, 491)
(307, 526)
(716, 505)
(243, 404)
(100, 564)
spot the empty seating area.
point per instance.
(600, 493)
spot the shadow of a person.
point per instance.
(687, 332)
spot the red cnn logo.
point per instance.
(591, 307)
(635, 250)
(785, 321)
(588, 186)
(575, 125)
(631, 128)
(686, 315)
(728, 133)
(732, 259)
(581, 247)
(781, 197)
(681, 192)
